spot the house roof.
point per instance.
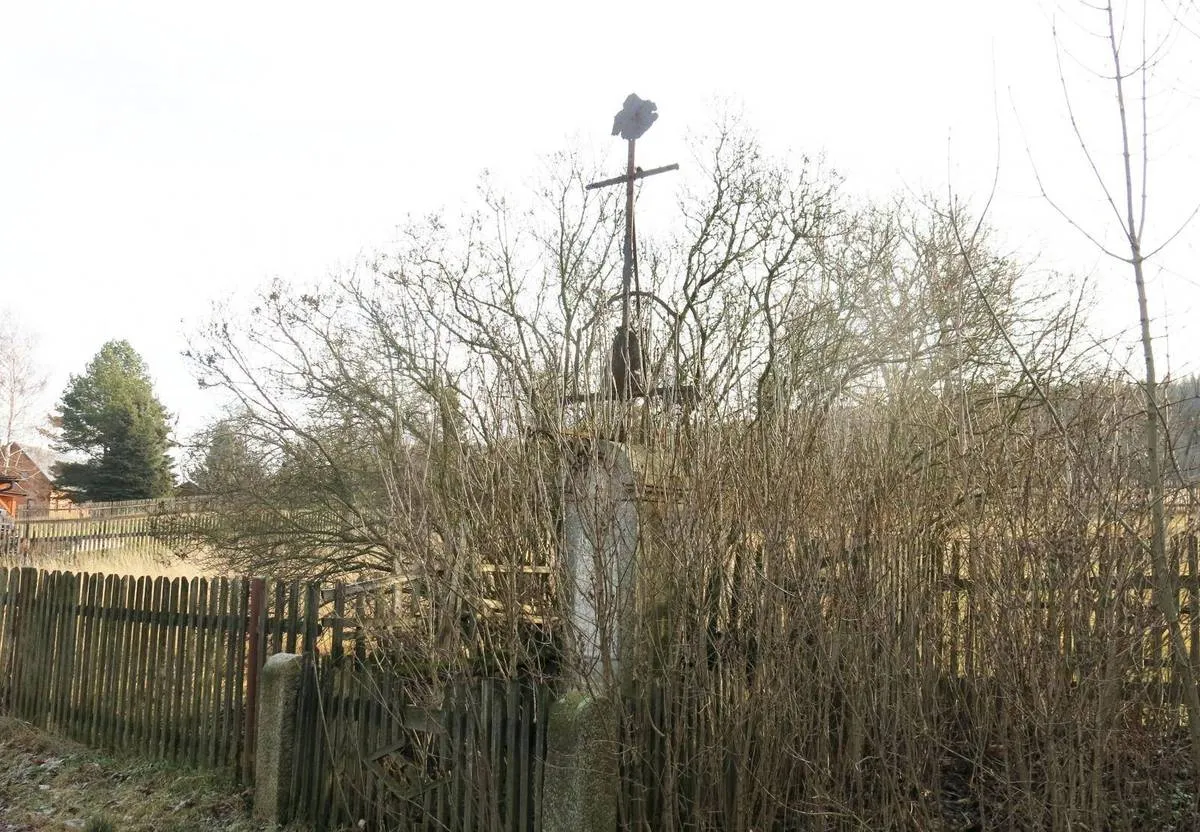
(23, 463)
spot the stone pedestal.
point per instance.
(583, 781)
(275, 737)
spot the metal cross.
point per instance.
(628, 361)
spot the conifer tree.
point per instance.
(111, 416)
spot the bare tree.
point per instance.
(22, 382)
(1134, 44)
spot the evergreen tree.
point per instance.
(111, 416)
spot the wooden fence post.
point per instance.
(254, 630)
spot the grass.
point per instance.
(153, 560)
(49, 783)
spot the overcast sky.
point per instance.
(156, 157)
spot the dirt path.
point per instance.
(48, 783)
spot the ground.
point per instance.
(49, 783)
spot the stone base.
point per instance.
(582, 783)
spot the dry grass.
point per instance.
(153, 561)
(48, 783)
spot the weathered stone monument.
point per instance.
(600, 538)
(599, 558)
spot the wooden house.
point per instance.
(23, 481)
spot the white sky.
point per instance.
(155, 157)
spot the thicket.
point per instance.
(892, 570)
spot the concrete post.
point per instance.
(279, 686)
(600, 525)
(600, 530)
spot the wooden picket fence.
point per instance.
(88, 528)
(168, 669)
(143, 664)
(376, 751)
(161, 667)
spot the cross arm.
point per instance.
(641, 174)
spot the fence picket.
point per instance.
(5, 606)
(158, 650)
(108, 660)
(70, 667)
(124, 678)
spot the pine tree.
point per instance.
(111, 416)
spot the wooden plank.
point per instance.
(8, 605)
(336, 722)
(11, 636)
(524, 774)
(53, 655)
(121, 705)
(360, 639)
(512, 802)
(453, 792)
(25, 642)
(322, 795)
(373, 739)
(431, 799)
(124, 648)
(230, 701)
(312, 617)
(339, 615)
(74, 668)
(45, 684)
(14, 637)
(302, 758)
(543, 700)
(184, 688)
(68, 644)
(107, 661)
(5, 607)
(127, 678)
(42, 691)
(256, 631)
(293, 621)
(156, 645)
(176, 649)
(83, 710)
(470, 756)
(19, 627)
(240, 757)
(359, 688)
(316, 737)
(138, 659)
(160, 598)
(279, 605)
(490, 709)
(112, 662)
(199, 675)
(165, 651)
(220, 670)
(226, 743)
(94, 679)
(31, 649)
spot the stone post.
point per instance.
(600, 538)
(279, 686)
